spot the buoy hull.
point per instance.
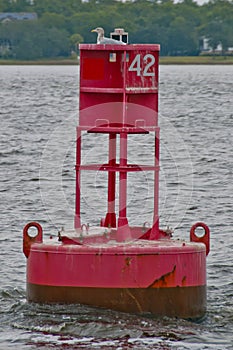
(164, 278)
(183, 302)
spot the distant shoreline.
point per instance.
(224, 60)
(179, 60)
(47, 62)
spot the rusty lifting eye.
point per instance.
(29, 239)
(205, 238)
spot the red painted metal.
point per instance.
(119, 96)
(110, 220)
(118, 265)
(202, 239)
(29, 240)
(114, 83)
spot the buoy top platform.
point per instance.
(126, 75)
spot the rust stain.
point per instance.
(134, 299)
(165, 280)
(128, 261)
(184, 281)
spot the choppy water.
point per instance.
(38, 114)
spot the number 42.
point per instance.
(136, 65)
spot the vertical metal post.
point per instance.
(77, 219)
(123, 227)
(155, 227)
(110, 219)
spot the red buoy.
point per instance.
(117, 265)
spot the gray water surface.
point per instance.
(38, 115)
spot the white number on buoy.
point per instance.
(136, 65)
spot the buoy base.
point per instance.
(183, 302)
(163, 277)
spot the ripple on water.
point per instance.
(38, 111)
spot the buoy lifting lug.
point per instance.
(28, 240)
(203, 239)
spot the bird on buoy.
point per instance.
(101, 39)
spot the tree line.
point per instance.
(177, 26)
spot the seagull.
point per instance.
(102, 40)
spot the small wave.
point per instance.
(14, 151)
(12, 293)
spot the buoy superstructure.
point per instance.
(115, 265)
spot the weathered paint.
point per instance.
(59, 270)
(117, 266)
(165, 280)
(185, 302)
(140, 264)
